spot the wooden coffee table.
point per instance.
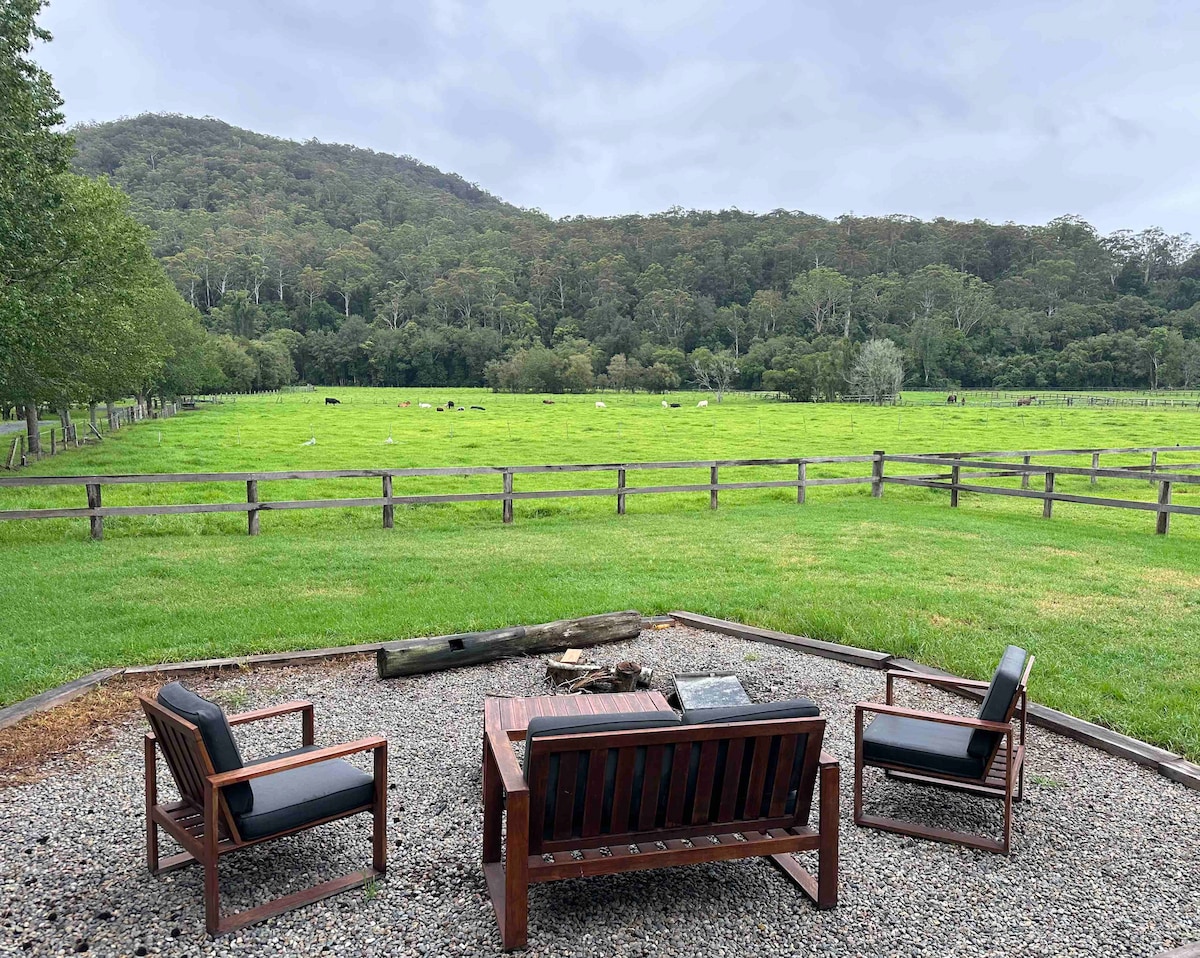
(511, 715)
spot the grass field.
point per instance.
(1111, 611)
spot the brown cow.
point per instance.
(1025, 401)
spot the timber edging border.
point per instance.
(1168, 764)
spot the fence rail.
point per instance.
(956, 473)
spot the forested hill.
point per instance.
(335, 264)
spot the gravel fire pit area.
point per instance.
(1106, 856)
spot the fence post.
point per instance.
(53, 444)
(97, 522)
(802, 478)
(1025, 475)
(1095, 465)
(712, 493)
(1164, 518)
(954, 486)
(1048, 503)
(389, 513)
(1153, 462)
(252, 515)
(877, 474)
(620, 495)
(508, 503)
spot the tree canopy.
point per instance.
(87, 313)
(391, 272)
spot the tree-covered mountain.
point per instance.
(337, 264)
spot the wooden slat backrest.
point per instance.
(600, 788)
(183, 748)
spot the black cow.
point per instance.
(480, 408)
(330, 401)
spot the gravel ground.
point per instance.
(1106, 859)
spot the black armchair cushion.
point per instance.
(921, 745)
(296, 797)
(580, 724)
(218, 738)
(790, 708)
(998, 700)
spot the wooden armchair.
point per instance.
(984, 755)
(608, 793)
(227, 805)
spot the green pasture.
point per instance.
(1111, 610)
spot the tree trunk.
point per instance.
(92, 413)
(31, 428)
(450, 651)
(64, 416)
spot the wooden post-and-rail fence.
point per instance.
(76, 434)
(956, 472)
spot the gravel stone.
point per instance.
(1106, 856)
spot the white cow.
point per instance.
(702, 404)
(666, 404)
(601, 405)
(424, 405)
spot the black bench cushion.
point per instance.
(921, 745)
(998, 700)
(298, 796)
(580, 724)
(218, 738)
(790, 708)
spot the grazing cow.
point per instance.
(674, 405)
(951, 399)
(441, 409)
(450, 404)
(424, 405)
(547, 402)
(702, 404)
(480, 408)
(405, 404)
(601, 405)
(1025, 401)
(330, 401)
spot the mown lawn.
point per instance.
(1111, 611)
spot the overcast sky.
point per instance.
(1023, 110)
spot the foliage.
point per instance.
(314, 235)
(878, 371)
(86, 312)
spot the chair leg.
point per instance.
(516, 873)
(152, 860)
(916, 830)
(827, 854)
(212, 891)
(379, 812)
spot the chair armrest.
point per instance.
(270, 712)
(939, 717)
(952, 681)
(221, 779)
(511, 775)
(827, 759)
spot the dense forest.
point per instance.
(331, 264)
